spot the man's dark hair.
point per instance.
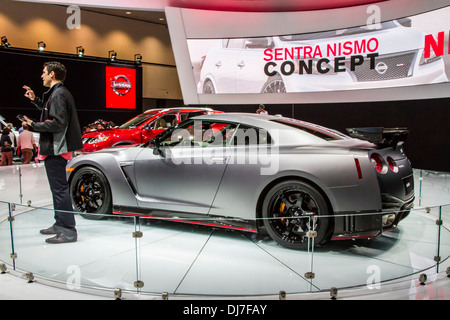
(58, 68)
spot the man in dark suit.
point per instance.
(60, 135)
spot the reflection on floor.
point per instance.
(184, 260)
(188, 261)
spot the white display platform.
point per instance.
(188, 261)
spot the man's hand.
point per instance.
(29, 93)
(27, 120)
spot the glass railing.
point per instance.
(149, 256)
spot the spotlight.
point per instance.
(41, 46)
(423, 279)
(112, 55)
(80, 51)
(5, 42)
(138, 58)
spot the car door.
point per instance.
(222, 65)
(184, 172)
(252, 160)
(156, 126)
(250, 77)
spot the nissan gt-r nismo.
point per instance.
(299, 182)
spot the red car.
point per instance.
(141, 128)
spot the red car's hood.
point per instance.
(106, 132)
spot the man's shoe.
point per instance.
(51, 230)
(61, 238)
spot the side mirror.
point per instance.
(157, 150)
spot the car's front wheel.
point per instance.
(293, 215)
(90, 193)
(208, 87)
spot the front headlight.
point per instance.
(433, 57)
(97, 139)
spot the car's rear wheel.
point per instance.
(90, 193)
(291, 209)
(274, 85)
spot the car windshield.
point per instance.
(316, 130)
(337, 33)
(138, 120)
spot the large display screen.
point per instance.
(380, 60)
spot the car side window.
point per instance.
(164, 122)
(247, 135)
(235, 43)
(259, 43)
(187, 115)
(200, 133)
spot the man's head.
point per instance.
(53, 72)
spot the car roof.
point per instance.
(260, 120)
(177, 109)
(286, 134)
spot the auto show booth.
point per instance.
(334, 69)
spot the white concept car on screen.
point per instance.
(354, 58)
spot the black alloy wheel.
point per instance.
(291, 209)
(274, 85)
(90, 193)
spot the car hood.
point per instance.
(105, 132)
(121, 154)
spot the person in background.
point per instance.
(60, 135)
(261, 110)
(6, 148)
(26, 144)
(12, 136)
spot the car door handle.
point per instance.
(241, 64)
(219, 64)
(219, 159)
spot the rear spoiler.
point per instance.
(382, 137)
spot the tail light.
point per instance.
(378, 163)
(392, 165)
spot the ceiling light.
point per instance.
(112, 55)
(5, 42)
(41, 46)
(138, 58)
(80, 51)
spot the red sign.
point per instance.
(120, 88)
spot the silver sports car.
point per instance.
(298, 182)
